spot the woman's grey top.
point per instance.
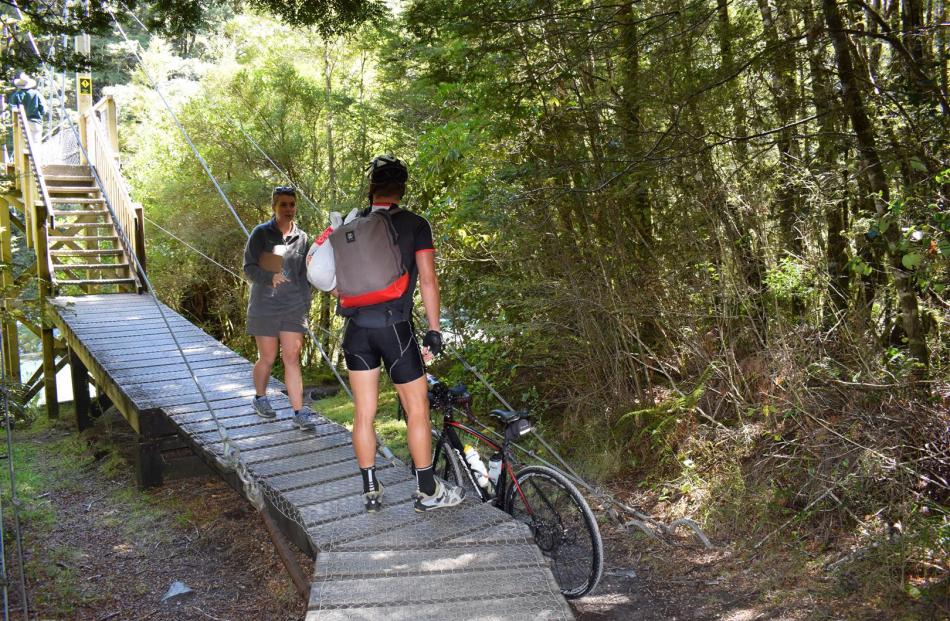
(290, 297)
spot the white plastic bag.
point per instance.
(321, 269)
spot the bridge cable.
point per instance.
(171, 112)
(192, 248)
(231, 453)
(14, 498)
(381, 445)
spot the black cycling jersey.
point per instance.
(395, 345)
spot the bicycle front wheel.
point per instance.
(445, 460)
(563, 527)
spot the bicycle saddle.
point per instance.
(509, 416)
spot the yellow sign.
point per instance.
(85, 86)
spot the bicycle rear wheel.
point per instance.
(445, 460)
(563, 527)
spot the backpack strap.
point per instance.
(388, 214)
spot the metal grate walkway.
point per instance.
(469, 562)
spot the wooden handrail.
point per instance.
(31, 147)
(39, 222)
(104, 161)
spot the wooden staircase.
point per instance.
(84, 246)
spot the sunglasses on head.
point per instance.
(288, 190)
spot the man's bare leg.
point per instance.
(365, 386)
(414, 396)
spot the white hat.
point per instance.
(24, 81)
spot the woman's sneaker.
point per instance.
(373, 500)
(445, 495)
(263, 407)
(304, 419)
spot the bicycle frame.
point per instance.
(449, 425)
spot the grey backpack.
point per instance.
(369, 266)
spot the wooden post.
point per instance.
(139, 242)
(148, 465)
(83, 85)
(44, 292)
(112, 124)
(80, 378)
(11, 346)
(17, 150)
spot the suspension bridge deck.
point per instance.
(471, 561)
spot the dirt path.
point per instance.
(98, 549)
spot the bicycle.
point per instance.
(561, 521)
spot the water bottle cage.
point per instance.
(518, 429)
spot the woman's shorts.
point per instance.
(273, 325)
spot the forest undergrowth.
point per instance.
(786, 452)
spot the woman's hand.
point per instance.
(278, 280)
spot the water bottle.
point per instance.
(494, 468)
(481, 473)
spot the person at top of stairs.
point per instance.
(31, 100)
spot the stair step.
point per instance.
(69, 200)
(77, 212)
(89, 266)
(51, 180)
(101, 281)
(72, 189)
(85, 252)
(84, 225)
(58, 239)
(50, 170)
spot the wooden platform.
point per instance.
(468, 562)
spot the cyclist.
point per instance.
(384, 333)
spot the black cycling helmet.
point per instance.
(386, 169)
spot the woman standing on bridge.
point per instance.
(274, 261)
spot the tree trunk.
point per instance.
(864, 132)
(784, 89)
(638, 206)
(739, 113)
(836, 210)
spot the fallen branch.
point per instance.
(697, 531)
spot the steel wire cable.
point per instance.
(381, 445)
(14, 499)
(192, 248)
(255, 491)
(171, 112)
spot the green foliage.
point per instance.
(791, 280)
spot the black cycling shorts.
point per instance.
(395, 345)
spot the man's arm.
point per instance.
(429, 287)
